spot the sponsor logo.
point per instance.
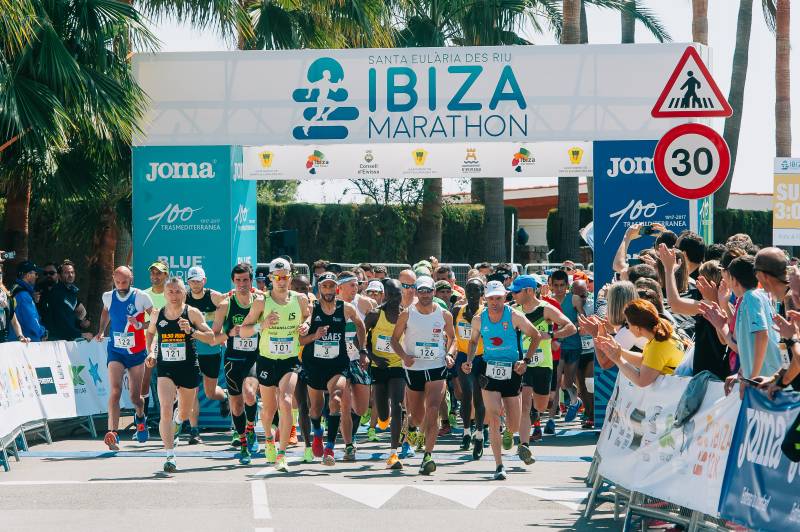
(325, 94)
(46, 382)
(471, 164)
(177, 170)
(176, 218)
(368, 157)
(94, 372)
(575, 155)
(762, 441)
(162, 323)
(316, 160)
(496, 341)
(368, 167)
(266, 158)
(419, 155)
(243, 223)
(77, 380)
(523, 157)
(630, 165)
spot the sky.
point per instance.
(753, 169)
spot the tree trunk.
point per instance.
(15, 225)
(628, 24)
(477, 191)
(494, 225)
(584, 24)
(429, 235)
(101, 264)
(571, 33)
(700, 21)
(733, 123)
(568, 244)
(124, 246)
(783, 104)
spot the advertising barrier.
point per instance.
(786, 202)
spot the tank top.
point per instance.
(205, 305)
(159, 300)
(464, 332)
(543, 357)
(500, 343)
(238, 348)
(381, 341)
(330, 350)
(424, 338)
(570, 343)
(124, 337)
(350, 330)
(281, 341)
(174, 345)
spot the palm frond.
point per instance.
(770, 13)
(640, 13)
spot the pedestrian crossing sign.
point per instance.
(691, 92)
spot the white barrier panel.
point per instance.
(51, 365)
(641, 450)
(19, 388)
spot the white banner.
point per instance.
(19, 388)
(51, 365)
(423, 160)
(642, 451)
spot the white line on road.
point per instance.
(58, 482)
(264, 530)
(260, 504)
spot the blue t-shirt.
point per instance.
(755, 314)
(570, 343)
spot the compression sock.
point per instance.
(356, 423)
(239, 423)
(251, 412)
(316, 426)
(333, 429)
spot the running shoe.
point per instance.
(194, 436)
(525, 454)
(383, 424)
(477, 449)
(327, 457)
(550, 427)
(572, 411)
(371, 435)
(224, 407)
(293, 436)
(142, 434)
(500, 472)
(349, 453)
(235, 439)
(112, 440)
(170, 466)
(420, 441)
(445, 429)
(394, 462)
(411, 437)
(537, 433)
(270, 452)
(453, 419)
(587, 424)
(366, 417)
(407, 451)
(280, 464)
(244, 456)
(508, 439)
(466, 440)
(316, 445)
(427, 466)
(252, 441)
(308, 455)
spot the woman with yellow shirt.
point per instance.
(660, 356)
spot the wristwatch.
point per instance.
(363, 351)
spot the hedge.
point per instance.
(584, 216)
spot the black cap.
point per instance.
(327, 276)
(27, 266)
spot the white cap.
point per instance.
(494, 288)
(279, 264)
(424, 282)
(375, 286)
(195, 273)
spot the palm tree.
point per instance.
(628, 23)
(700, 21)
(783, 104)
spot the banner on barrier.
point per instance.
(20, 388)
(51, 365)
(641, 450)
(761, 485)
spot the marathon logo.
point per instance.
(762, 439)
(47, 384)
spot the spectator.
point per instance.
(8, 319)
(484, 268)
(641, 270)
(367, 267)
(44, 285)
(681, 272)
(668, 238)
(694, 249)
(63, 306)
(26, 313)
(715, 251)
(379, 272)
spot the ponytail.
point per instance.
(663, 330)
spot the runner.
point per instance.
(240, 359)
(475, 433)
(326, 363)
(159, 271)
(356, 398)
(539, 374)
(498, 325)
(280, 319)
(419, 342)
(172, 333)
(125, 308)
(209, 356)
(570, 345)
(388, 377)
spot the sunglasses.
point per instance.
(407, 286)
(281, 277)
(374, 292)
(424, 290)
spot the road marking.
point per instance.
(57, 482)
(262, 529)
(260, 504)
(570, 498)
(470, 496)
(373, 495)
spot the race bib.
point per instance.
(785, 360)
(245, 344)
(426, 350)
(326, 349)
(587, 343)
(384, 344)
(123, 340)
(173, 352)
(500, 371)
(281, 346)
(538, 358)
(350, 342)
(465, 331)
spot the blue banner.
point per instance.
(626, 192)
(761, 489)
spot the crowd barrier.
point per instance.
(724, 463)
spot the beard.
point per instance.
(328, 298)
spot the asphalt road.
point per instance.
(76, 484)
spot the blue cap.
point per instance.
(522, 282)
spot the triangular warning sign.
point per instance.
(691, 92)
(373, 495)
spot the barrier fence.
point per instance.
(722, 463)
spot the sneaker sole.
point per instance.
(329, 463)
(395, 466)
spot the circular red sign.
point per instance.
(696, 154)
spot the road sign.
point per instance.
(691, 91)
(691, 161)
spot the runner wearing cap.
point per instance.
(326, 363)
(388, 377)
(419, 340)
(475, 432)
(159, 271)
(280, 318)
(539, 373)
(172, 334)
(124, 308)
(498, 326)
(356, 398)
(375, 291)
(209, 356)
(240, 358)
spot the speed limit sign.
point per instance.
(691, 161)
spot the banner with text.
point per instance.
(761, 485)
(641, 450)
(786, 202)
(20, 387)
